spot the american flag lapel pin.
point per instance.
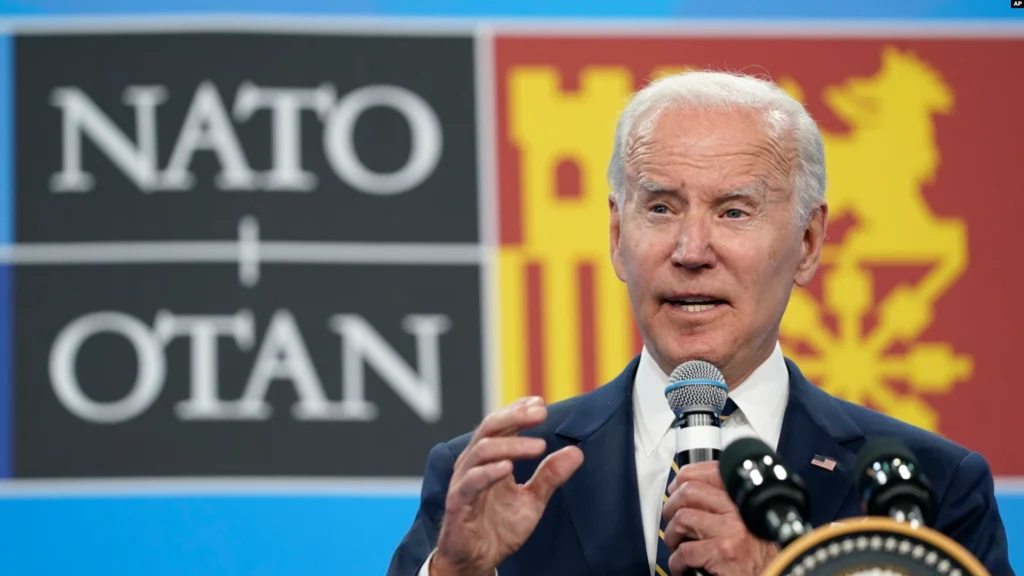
(823, 462)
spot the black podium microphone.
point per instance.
(890, 483)
(772, 501)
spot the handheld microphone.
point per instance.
(772, 501)
(697, 393)
(891, 483)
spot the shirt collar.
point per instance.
(761, 399)
(763, 396)
(650, 408)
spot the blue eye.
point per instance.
(734, 213)
(660, 209)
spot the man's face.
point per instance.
(707, 240)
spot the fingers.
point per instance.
(488, 457)
(689, 524)
(521, 414)
(479, 479)
(489, 450)
(722, 556)
(696, 554)
(699, 496)
(554, 471)
(494, 438)
(705, 472)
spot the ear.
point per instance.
(812, 243)
(614, 230)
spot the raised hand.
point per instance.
(488, 516)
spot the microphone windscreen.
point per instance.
(877, 449)
(730, 462)
(696, 385)
(696, 370)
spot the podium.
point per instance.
(875, 546)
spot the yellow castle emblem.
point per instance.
(876, 170)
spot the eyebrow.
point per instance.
(753, 191)
(654, 188)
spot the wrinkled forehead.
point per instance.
(729, 150)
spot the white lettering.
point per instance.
(424, 127)
(284, 355)
(286, 105)
(205, 402)
(208, 127)
(361, 342)
(148, 380)
(81, 117)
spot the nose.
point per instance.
(693, 248)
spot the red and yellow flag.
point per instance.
(914, 311)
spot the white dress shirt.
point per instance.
(760, 406)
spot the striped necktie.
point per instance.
(661, 568)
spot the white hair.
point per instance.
(783, 115)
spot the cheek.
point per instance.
(644, 254)
(756, 266)
(773, 269)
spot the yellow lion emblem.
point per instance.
(876, 174)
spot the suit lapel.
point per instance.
(602, 496)
(815, 426)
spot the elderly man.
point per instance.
(717, 209)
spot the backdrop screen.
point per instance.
(252, 268)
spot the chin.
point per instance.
(697, 347)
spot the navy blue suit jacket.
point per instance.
(592, 524)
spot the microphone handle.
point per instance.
(689, 456)
(693, 455)
(698, 439)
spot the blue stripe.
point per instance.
(225, 536)
(6, 238)
(864, 9)
(197, 536)
(682, 383)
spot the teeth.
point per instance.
(695, 300)
(696, 307)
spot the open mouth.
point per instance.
(696, 303)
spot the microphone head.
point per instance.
(888, 474)
(734, 460)
(696, 386)
(757, 480)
